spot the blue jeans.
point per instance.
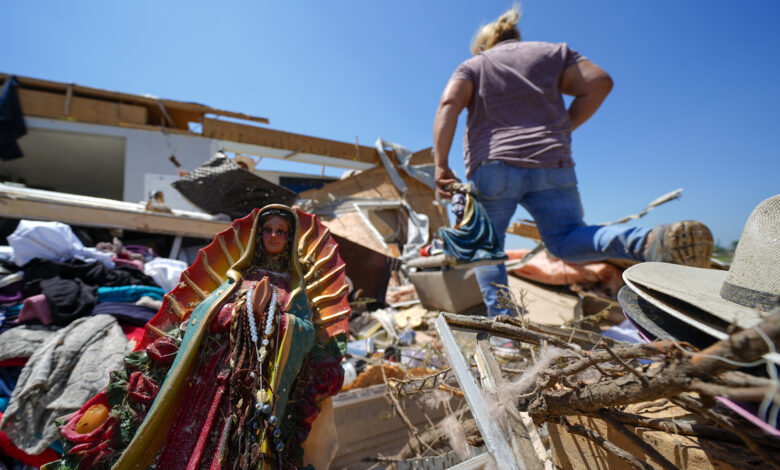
(550, 195)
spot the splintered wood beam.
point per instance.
(25, 203)
(181, 112)
(525, 228)
(231, 131)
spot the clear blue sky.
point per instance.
(694, 105)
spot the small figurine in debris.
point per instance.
(238, 367)
(472, 238)
(517, 150)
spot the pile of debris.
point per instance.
(599, 377)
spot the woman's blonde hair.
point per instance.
(504, 28)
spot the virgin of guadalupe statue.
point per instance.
(472, 239)
(237, 368)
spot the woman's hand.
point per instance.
(444, 177)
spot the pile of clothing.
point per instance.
(68, 316)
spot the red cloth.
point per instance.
(48, 455)
(14, 362)
(134, 333)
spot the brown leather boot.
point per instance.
(687, 242)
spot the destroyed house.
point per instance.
(83, 143)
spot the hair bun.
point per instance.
(511, 17)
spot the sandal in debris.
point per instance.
(687, 242)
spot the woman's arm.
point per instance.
(456, 96)
(589, 84)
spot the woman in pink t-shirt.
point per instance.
(517, 150)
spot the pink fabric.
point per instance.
(35, 308)
(139, 265)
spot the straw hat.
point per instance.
(741, 295)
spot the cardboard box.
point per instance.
(450, 290)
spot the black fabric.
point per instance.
(221, 186)
(12, 124)
(68, 299)
(8, 378)
(92, 274)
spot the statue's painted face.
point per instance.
(276, 231)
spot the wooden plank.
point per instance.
(421, 157)
(194, 111)
(98, 212)
(225, 130)
(525, 228)
(52, 105)
(105, 112)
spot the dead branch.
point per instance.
(668, 378)
(402, 415)
(506, 331)
(584, 338)
(743, 347)
(623, 363)
(436, 437)
(734, 393)
(740, 379)
(634, 351)
(413, 386)
(451, 390)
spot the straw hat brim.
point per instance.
(699, 287)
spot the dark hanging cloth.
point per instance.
(12, 124)
(68, 299)
(92, 274)
(221, 186)
(125, 312)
